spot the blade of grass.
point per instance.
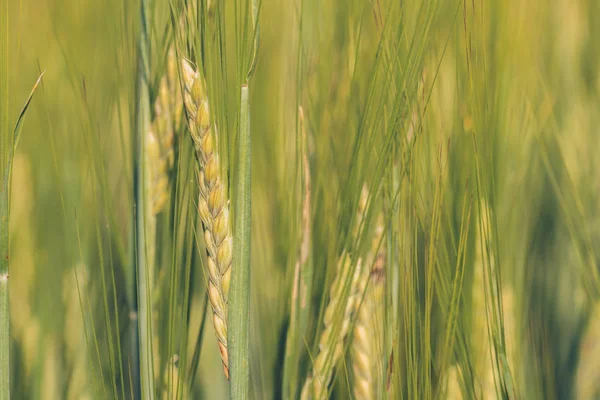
(239, 309)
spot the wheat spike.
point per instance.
(213, 205)
(159, 154)
(332, 339)
(160, 138)
(366, 355)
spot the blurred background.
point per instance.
(474, 124)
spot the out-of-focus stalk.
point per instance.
(4, 199)
(139, 301)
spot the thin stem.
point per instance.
(239, 309)
(141, 356)
(4, 335)
(5, 144)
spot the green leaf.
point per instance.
(17, 129)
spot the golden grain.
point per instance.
(331, 341)
(368, 336)
(213, 204)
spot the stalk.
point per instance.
(4, 310)
(139, 297)
(4, 323)
(8, 145)
(4, 206)
(239, 311)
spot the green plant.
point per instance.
(468, 270)
(9, 140)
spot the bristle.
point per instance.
(483, 348)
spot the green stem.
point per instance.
(5, 151)
(239, 307)
(140, 300)
(4, 338)
(4, 306)
(8, 146)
